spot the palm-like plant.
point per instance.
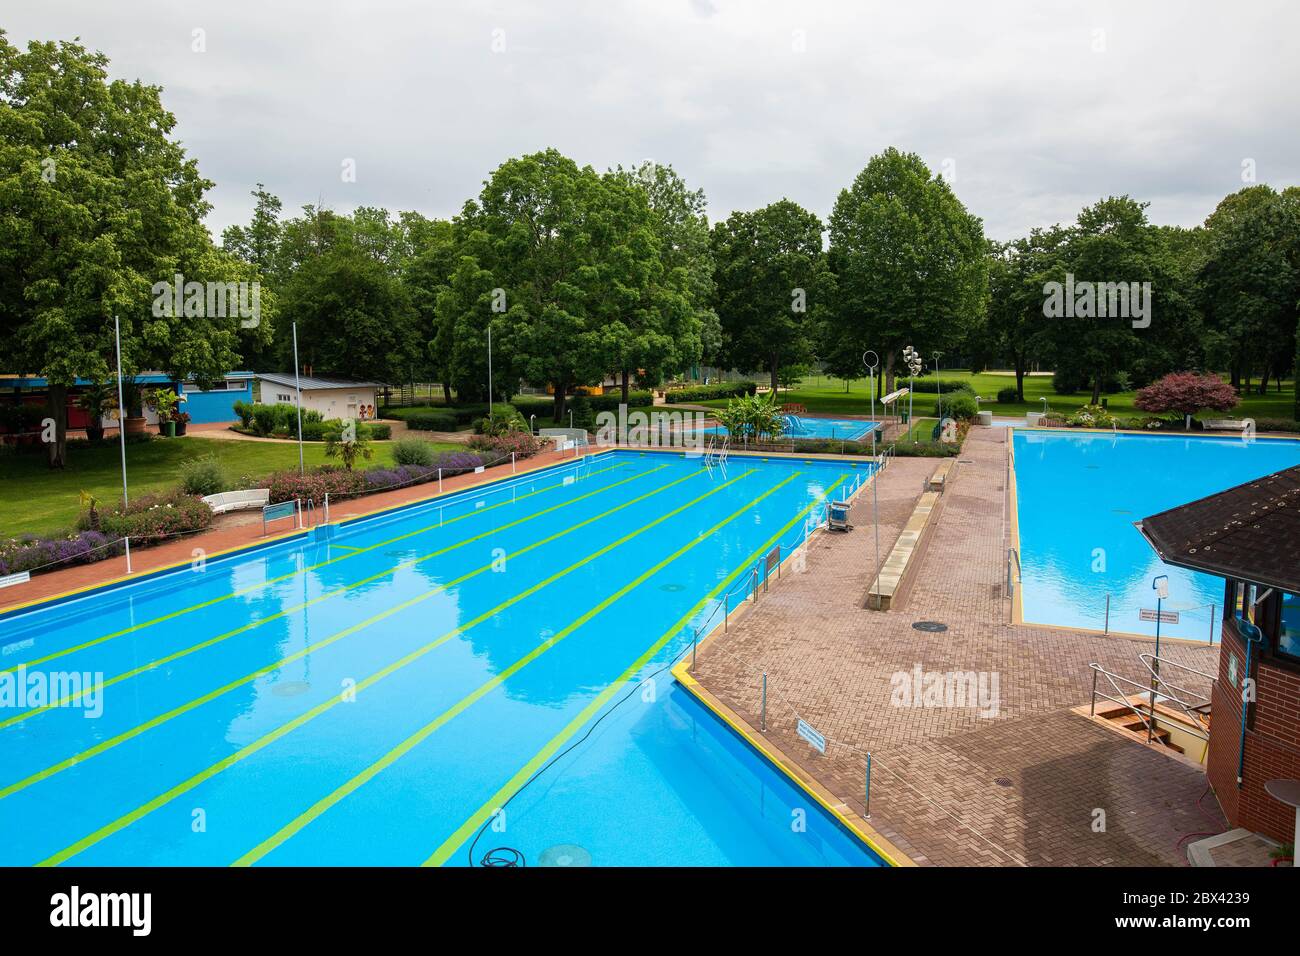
(753, 416)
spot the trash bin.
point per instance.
(985, 418)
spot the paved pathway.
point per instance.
(950, 786)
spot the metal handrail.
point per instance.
(1123, 700)
(1011, 585)
(1152, 662)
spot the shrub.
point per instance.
(958, 405)
(315, 484)
(152, 517)
(203, 476)
(1276, 425)
(522, 444)
(1093, 416)
(500, 421)
(920, 449)
(931, 386)
(584, 413)
(430, 419)
(413, 451)
(375, 431)
(1008, 396)
(704, 393)
(264, 419)
(245, 412)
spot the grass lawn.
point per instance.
(827, 395)
(40, 501)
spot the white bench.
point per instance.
(237, 500)
(1228, 424)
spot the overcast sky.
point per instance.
(1035, 107)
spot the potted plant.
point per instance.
(133, 421)
(181, 419)
(96, 399)
(164, 401)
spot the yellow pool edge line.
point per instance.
(8, 609)
(848, 818)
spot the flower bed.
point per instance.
(521, 444)
(31, 553)
(338, 482)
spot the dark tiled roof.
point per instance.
(310, 383)
(1250, 532)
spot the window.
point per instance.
(281, 397)
(1288, 639)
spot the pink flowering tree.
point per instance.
(1188, 393)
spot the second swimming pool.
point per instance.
(1078, 497)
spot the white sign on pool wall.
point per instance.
(9, 580)
(807, 733)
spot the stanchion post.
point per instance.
(127, 541)
(762, 721)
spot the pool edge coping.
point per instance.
(854, 824)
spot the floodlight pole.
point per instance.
(297, 391)
(871, 364)
(121, 405)
(489, 371)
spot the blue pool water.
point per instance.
(1078, 496)
(798, 426)
(371, 695)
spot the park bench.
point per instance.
(1227, 424)
(237, 500)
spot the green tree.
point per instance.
(909, 263)
(771, 274)
(99, 204)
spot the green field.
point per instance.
(40, 501)
(827, 395)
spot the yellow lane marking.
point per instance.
(410, 743)
(160, 719)
(171, 615)
(293, 609)
(480, 816)
(248, 750)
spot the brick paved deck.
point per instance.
(936, 770)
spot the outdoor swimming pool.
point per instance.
(800, 426)
(373, 696)
(1078, 496)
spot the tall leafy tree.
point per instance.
(1250, 280)
(770, 273)
(909, 262)
(97, 203)
(1017, 271)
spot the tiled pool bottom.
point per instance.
(1077, 498)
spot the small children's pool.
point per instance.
(1078, 496)
(801, 426)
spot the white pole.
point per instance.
(297, 387)
(127, 541)
(121, 421)
(489, 371)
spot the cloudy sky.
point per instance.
(1034, 108)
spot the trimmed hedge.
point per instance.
(920, 449)
(705, 393)
(932, 386)
(1008, 396)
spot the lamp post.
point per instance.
(489, 371)
(913, 359)
(938, 386)
(297, 394)
(121, 408)
(1159, 584)
(871, 360)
